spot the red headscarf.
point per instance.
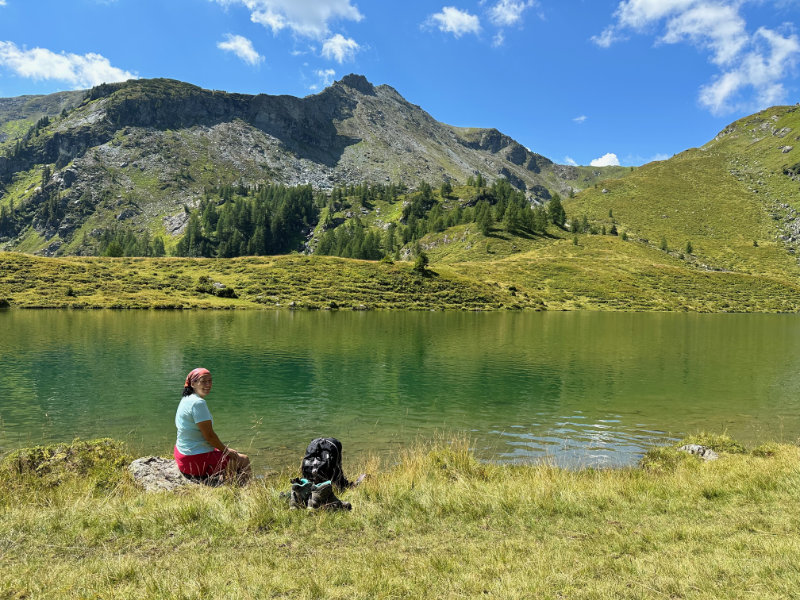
(194, 375)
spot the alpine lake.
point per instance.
(582, 389)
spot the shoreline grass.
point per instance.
(439, 524)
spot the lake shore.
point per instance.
(574, 278)
(437, 524)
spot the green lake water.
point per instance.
(578, 389)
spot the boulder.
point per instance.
(704, 452)
(155, 473)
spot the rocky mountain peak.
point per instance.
(358, 83)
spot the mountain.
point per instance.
(142, 154)
(714, 228)
(735, 199)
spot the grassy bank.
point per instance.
(437, 525)
(306, 282)
(597, 273)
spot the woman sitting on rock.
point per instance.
(198, 450)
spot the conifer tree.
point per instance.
(556, 212)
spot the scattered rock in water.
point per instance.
(156, 474)
(704, 452)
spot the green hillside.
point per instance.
(732, 200)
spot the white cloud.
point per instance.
(760, 70)
(568, 160)
(2, 2)
(308, 18)
(608, 37)
(77, 70)
(455, 21)
(607, 160)
(499, 39)
(752, 65)
(716, 27)
(340, 48)
(508, 12)
(241, 47)
(325, 78)
(580, 119)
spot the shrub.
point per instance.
(204, 285)
(226, 292)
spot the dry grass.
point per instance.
(437, 525)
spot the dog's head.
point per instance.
(323, 461)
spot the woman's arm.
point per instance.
(207, 429)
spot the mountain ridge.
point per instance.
(146, 149)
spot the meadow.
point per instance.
(436, 524)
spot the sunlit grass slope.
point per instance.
(729, 199)
(599, 273)
(607, 273)
(310, 282)
(438, 524)
(712, 229)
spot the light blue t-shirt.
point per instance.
(192, 410)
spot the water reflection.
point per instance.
(574, 388)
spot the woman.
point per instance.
(198, 450)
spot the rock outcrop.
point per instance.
(703, 452)
(157, 474)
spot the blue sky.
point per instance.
(575, 80)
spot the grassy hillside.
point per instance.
(600, 273)
(730, 200)
(437, 525)
(265, 282)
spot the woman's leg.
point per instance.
(238, 466)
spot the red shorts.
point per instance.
(200, 465)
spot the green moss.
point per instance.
(77, 458)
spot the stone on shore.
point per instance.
(156, 474)
(704, 452)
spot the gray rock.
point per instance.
(704, 452)
(126, 214)
(156, 474)
(176, 224)
(786, 149)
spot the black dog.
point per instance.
(323, 462)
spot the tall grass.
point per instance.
(439, 524)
